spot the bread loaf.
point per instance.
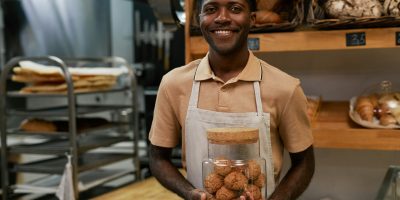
(312, 107)
(37, 125)
(353, 8)
(392, 7)
(267, 17)
(396, 113)
(41, 125)
(387, 119)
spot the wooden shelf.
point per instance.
(307, 40)
(333, 128)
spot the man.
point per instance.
(209, 92)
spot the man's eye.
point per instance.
(236, 9)
(209, 10)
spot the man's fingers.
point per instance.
(250, 195)
(203, 196)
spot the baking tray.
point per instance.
(62, 111)
(60, 147)
(19, 94)
(86, 162)
(98, 129)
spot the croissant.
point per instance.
(365, 108)
(374, 100)
(387, 119)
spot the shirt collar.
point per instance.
(251, 72)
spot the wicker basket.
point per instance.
(316, 18)
(291, 11)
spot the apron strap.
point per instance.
(257, 93)
(194, 97)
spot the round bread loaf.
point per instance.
(353, 8)
(267, 17)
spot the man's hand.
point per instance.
(168, 175)
(248, 195)
(196, 194)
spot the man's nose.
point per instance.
(223, 16)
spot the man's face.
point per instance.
(225, 24)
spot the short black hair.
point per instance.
(252, 5)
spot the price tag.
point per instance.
(356, 39)
(397, 38)
(253, 43)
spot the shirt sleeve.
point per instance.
(294, 127)
(165, 128)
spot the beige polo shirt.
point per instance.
(281, 96)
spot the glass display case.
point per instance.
(390, 188)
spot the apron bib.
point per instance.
(199, 120)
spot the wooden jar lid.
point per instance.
(232, 135)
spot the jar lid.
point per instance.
(238, 135)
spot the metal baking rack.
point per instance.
(60, 146)
(74, 142)
(86, 162)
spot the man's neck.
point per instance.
(227, 67)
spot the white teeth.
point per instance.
(223, 32)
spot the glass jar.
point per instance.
(234, 166)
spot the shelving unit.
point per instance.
(77, 143)
(332, 128)
(306, 40)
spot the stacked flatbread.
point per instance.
(50, 79)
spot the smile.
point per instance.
(223, 33)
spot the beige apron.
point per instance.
(199, 120)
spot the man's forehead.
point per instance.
(211, 1)
(250, 3)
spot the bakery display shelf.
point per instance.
(61, 146)
(62, 111)
(86, 162)
(333, 128)
(307, 40)
(104, 128)
(19, 94)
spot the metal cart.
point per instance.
(78, 144)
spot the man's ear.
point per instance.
(252, 19)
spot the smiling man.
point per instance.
(212, 92)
